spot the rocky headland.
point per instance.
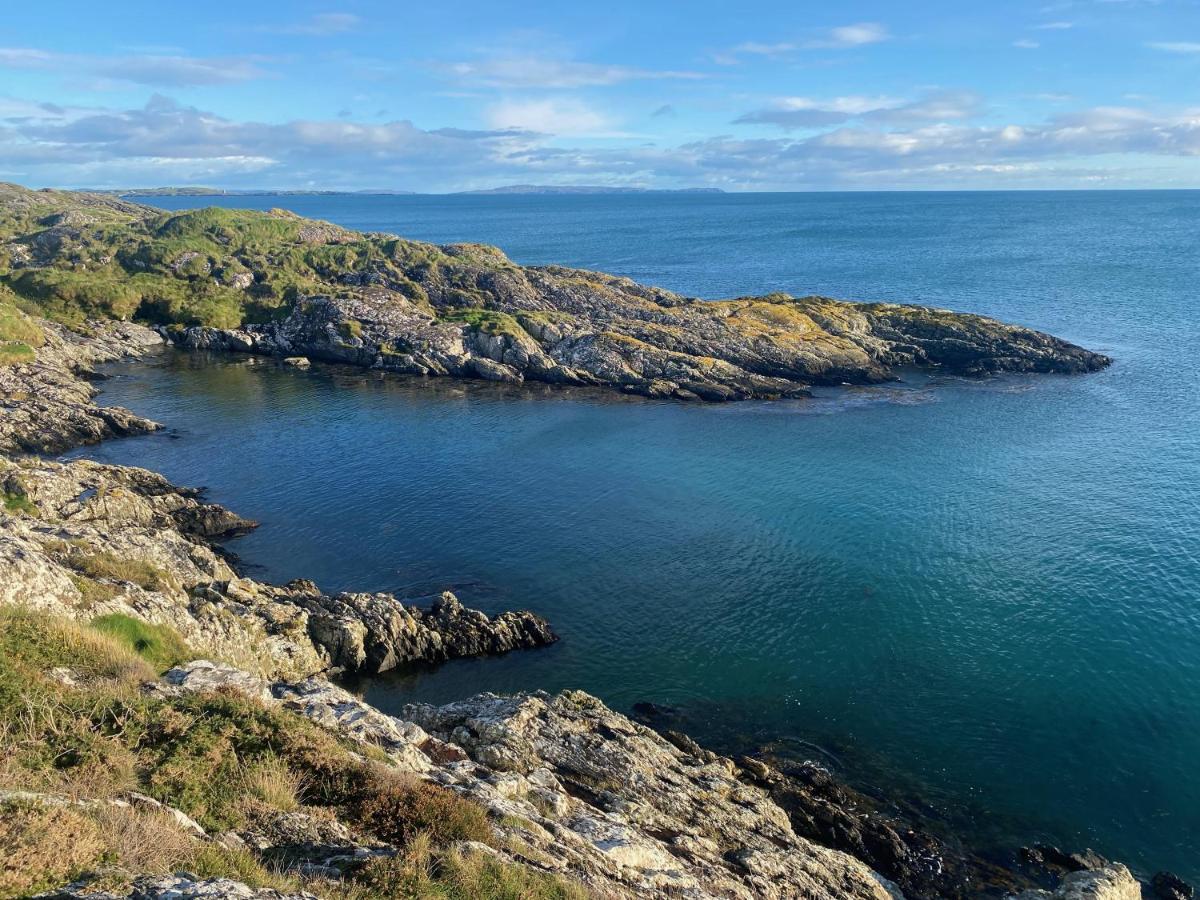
(173, 728)
(275, 283)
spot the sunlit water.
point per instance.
(987, 592)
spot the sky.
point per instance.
(751, 96)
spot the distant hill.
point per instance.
(222, 192)
(199, 191)
(586, 189)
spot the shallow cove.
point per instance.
(987, 589)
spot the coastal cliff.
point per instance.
(172, 728)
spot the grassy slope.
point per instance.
(225, 760)
(212, 266)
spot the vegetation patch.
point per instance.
(489, 321)
(15, 353)
(225, 760)
(103, 564)
(159, 645)
(18, 504)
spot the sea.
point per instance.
(984, 594)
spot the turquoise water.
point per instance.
(985, 592)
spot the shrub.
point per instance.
(18, 503)
(398, 808)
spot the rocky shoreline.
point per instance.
(572, 791)
(612, 803)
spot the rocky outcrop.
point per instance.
(46, 404)
(1110, 882)
(575, 788)
(89, 539)
(568, 327)
(308, 289)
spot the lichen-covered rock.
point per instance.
(46, 407)
(98, 539)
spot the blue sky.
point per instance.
(438, 96)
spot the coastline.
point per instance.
(815, 806)
(570, 788)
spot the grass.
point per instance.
(108, 565)
(16, 353)
(16, 326)
(225, 760)
(159, 645)
(19, 504)
(486, 320)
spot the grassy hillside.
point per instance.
(77, 726)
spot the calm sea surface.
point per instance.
(985, 592)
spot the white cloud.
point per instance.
(1176, 46)
(155, 70)
(1026, 44)
(165, 142)
(853, 35)
(547, 72)
(551, 117)
(1055, 26)
(805, 112)
(841, 38)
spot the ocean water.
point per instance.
(984, 593)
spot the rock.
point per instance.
(176, 887)
(376, 633)
(46, 405)
(203, 676)
(297, 362)
(1112, 882)
(631, 812)
(1168, 886)
(161, 537)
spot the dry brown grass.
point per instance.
(145, 841)
(44, 846)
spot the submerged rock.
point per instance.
(1169, 886)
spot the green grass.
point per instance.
(488, 321)
(159, 645)
(16, 326)
(19, 504)
(16, 353)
